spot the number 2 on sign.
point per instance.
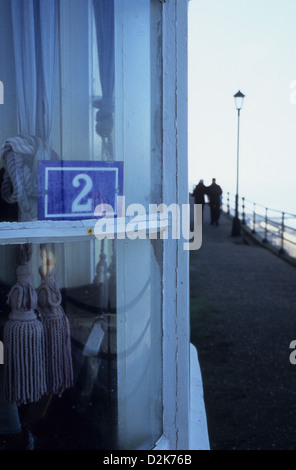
(77, 205)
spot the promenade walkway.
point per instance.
(243, 319)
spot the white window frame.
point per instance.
(176, 330)
(175, 295)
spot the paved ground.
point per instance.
(243, 319)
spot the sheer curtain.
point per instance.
(35, 41)
(35, 36)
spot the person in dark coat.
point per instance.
(214, 193)
(199, 193)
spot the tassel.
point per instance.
(59, 370)
(23, 343)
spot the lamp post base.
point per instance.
(235, 227)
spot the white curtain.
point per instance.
(35, 43)
(35, 37)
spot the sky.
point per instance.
(247, 45)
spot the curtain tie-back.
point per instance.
(104, 117)
(20, 156)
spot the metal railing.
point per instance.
(272, 226)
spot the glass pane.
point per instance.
(138, 139)
(99, 101)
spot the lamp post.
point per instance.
(239, 99)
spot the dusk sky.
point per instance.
(247, 45)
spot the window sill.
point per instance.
(48, 231)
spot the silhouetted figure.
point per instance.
(199, 193)
(214, 193)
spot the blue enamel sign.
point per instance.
(71, 190)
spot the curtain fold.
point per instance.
(35, 37)
(48, 14)
(25, 64)
(104, 21)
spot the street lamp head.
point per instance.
(239, 99)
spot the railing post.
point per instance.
(254, 217)
(243, 214)
(265, 240)
(282, 251)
